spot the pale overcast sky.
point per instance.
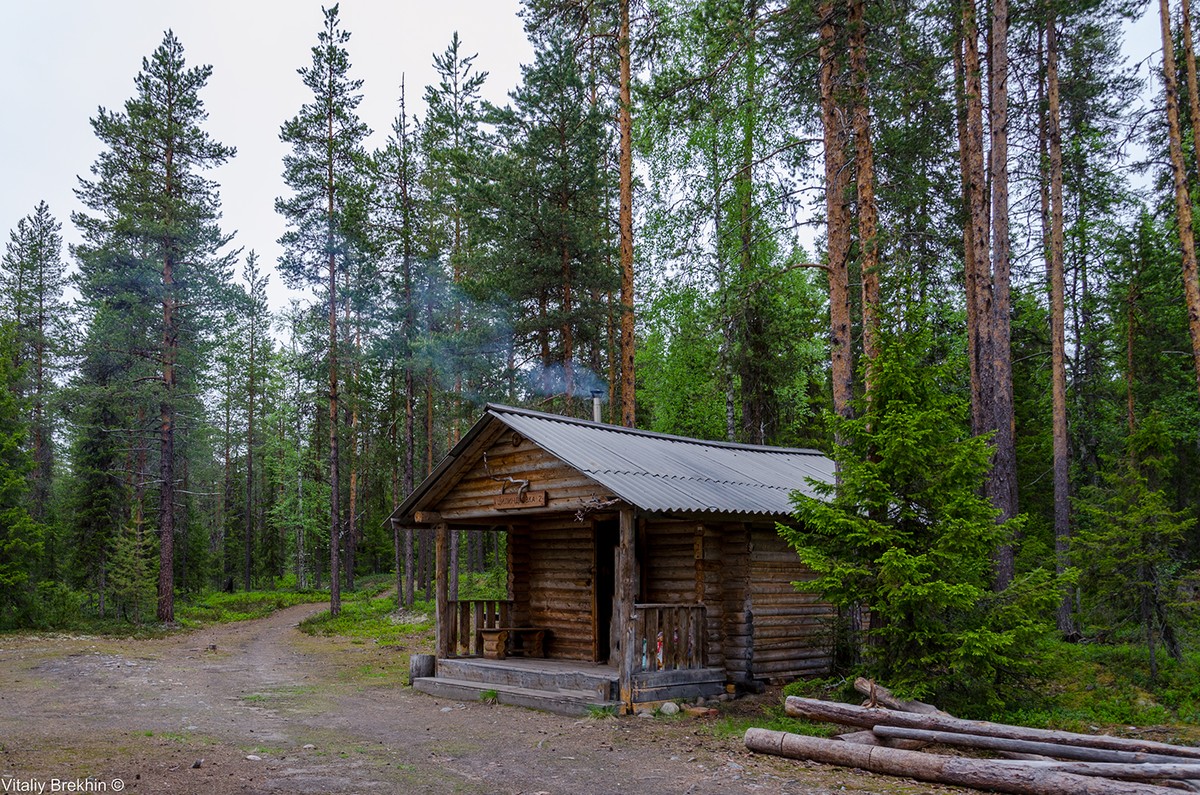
(62, 59)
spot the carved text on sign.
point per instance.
(528, 499)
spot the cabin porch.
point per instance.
(479, 650)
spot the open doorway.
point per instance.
(607, 536)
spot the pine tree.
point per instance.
(549, 256)
(609, 25)
(323, 172)
(454, 147)
(396, 221)
(154, 241)
(1183, 203)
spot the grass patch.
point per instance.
(774, 719)
(490, 696)
(373, 619)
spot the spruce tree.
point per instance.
(32, 284)
(908, 534)
(323, 171)
(20, 535)
(152, 250)
(1130, 539)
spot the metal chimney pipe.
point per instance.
(596, 393)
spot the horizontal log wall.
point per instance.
(791, 628)
(669, 563)
(518, 573)
(707, 552)
(737, 624)
(474, 495)
(560, 586)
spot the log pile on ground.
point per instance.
(1038, 761)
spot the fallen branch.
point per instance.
(1020, 778)
(880, 695)
(850, 715)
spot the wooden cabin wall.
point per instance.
(737, 623)
(560, 585)
(707, 552)
(518, 573)
(669, 563)
(681, 564)
(474, 494)
(791, 629)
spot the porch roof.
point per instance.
(654, 472)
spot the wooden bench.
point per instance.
(500, 642)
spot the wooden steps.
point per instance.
(538, 684)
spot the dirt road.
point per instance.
(258, 707)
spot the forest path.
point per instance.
(269, 709)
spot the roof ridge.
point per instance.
(501, 408)
(693, 478)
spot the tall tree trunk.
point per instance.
(335, 593)
(755, 375)
(625, 219)
(1130, 326)
(1183, 205)
(1058, 342)
(394, 459)
(837, 215)
(1002, 480)
(976, 226)
(249, 524)
(1189, 62)
(166, 498)
(352, 514)
(864, 162)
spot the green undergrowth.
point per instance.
(219, 607)
(1081, 687)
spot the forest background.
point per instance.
(629, 225)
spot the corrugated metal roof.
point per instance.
(653, 471)
(663, 473)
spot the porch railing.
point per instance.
(468, 617)
(668, 637)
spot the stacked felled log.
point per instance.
(1041, 762)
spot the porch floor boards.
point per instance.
(566, 687)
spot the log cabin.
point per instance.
(641, 567)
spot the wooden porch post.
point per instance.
(626, 590)
(441, 571)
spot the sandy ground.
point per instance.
(258, 707)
